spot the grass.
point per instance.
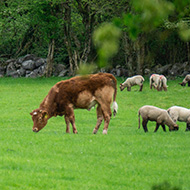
(126, 158)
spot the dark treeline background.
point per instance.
(152, 31)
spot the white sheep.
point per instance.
(186, 80)
(162, 83)
(161, 116)
(154, 81)
(132, 81)
(159, 82)
(181, 114)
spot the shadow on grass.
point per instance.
(164, 186)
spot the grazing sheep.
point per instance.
(186, 80)
(162, 83)
(181, 114)
(159, 82)
(161, 117)
(154, 81)
(132, 81)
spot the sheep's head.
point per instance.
(182, 84)
(122, 87)
(176, 127)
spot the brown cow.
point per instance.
(78, 92)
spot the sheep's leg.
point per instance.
(157, 126)
(128, 88)
(144, 124)
(165, 88)
(188, 127)
(189, 83)
(164, 128)
(141, 87)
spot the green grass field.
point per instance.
(126, 158)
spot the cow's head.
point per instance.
(40, 118)
(121, 87)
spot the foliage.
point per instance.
(29, 27)
(126, 158)
(106, 39)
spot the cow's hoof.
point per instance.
(95, 131)
(105, 132)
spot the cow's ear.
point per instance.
(31, 113)
(44, 114)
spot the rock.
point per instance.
(39, 72)
(63, 73)
(30, 57)
(21, 72)
(58, 69)
(2, 70)
(11, 69)
(147, 72)
(28, 65)
(39, 62)
(164, 69)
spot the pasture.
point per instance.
(126, 158)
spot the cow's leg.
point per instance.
(106, 110)
(144, 124)
(163, 127)
(157, 126)
(71, 117)
(99, 118)
(72, 120)
(67, 124)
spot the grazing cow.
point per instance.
(132, 81)
(186, 80)
(78, 92)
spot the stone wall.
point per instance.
(33, 66)
(29, 66)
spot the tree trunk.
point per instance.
(188, 53)
(78, 53)
(140, 51)
(49, 67)
(67, 31)
(128, 54)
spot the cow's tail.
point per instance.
(115, 108)
(115, 105)
(139, 119)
